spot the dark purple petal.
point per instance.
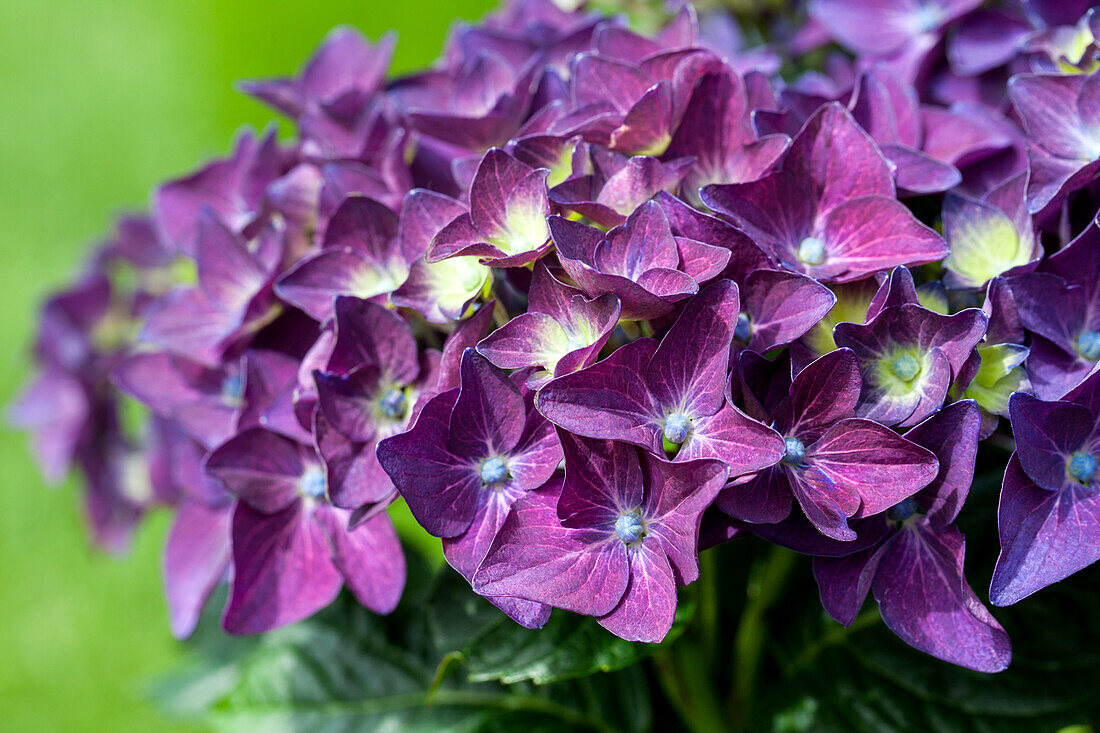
(369, 557)
(1047, 434)
(648, 606)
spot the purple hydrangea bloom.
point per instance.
(669, 394)
(881, 27)
(1049, 516)
(830, 211)
(837, 466)
(471, 454)
(613, 540)
(292, 550)
(915, 569)
(640, 262)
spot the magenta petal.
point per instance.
(844, 582)
(489, 415)
(196, 559)
(731, 436)
(261, 468)
(282, 570)
(825, 502)
(1046, 536)
(688, 370)
(602, 479)
(925, 599)
(609, 399)
(952, 435)
(823, 393)
(761, 499)
(782, 306)
(367, 333)
(1046, 434)
(648, 607)
(535, 557)
(873, 462)
(369, 557)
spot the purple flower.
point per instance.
(506, 224)
(343, 68)
(915, 570)
(1060, 305)
(1061, 114)
(909, 356)
(368, 391)
(837, 466)
(613, 540)
(471, 454)
(292, 551)
(561, 331)
(672, 394)
(360, 256)
(830, 211)
(1049, 515)
(640, 262)
(880, 27)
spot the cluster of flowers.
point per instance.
(588, 300)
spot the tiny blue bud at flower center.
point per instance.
(796, 451)
(493, 470)
(312, 483)
(742, 332)
(1082, 466)
(1088, 345)
(676, 428)
(393, 404)
(811, 251)
(232, 389)
(905, 367)
(630, 528)
(903, 510)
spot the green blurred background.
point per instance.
(101, 100)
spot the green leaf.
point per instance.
(346, 669)
(866, 679)
(496, 648)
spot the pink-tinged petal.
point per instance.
(838, 159)
(440, 488)
(638, 181)
(1047, 104)
(228, 273)
(688, 371)
(186, 321)
(460, 237)
(925, 599)
(665, 283)
(267, 376)
(825, 502)
(677, 494)
(261, 468)
(1046, 536)
(608, 400)
(509, 203)
(824, 392)
(919, 173)
(423, 214)
(55, 408)
(538, 453)
(465, 336)
(196, 559)
(282, 569)
(644, 242)
(776, 211)
(761, 499)
(648, 607)
(645, 128)
(367, 333)
(603, 479)
(582, 570)
(871, 233)
(952, 434)
(362, 224)
(349, 402)
(745, 256)
(489, 415)
(879, 466)
(729, 435)
(701, 262)
(529, 339)
(782, 307)
(354, 477)
(1046, 434)
(444, 291)
(844, 582)
(314, 283)
(369, 557)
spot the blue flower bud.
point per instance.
(676, 428)
(796, 451)
(905, 367)
(903, 510)
(493, 470)
(630, 528)
(811, 251)
(312, 483)
(1088, 345)
(1081, 466)
(393, 404)
(742, 332)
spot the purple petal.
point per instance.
(196, 558)
(845, 581)
(369, 557)
(1046, 434)
(648, 607)
(261, 468)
